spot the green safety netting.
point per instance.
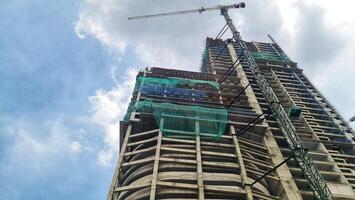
(173, 82)
(204, 60)
(130, 109)
(285, 57)
(181, 120)
(270, 56)
(294, 111)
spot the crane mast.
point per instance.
(305, 162)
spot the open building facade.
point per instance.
(211, 135)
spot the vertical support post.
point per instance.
(116, 175)
(243, 172)
(201, 193)
(156, 163)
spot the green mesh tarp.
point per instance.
(285, 57)
(294, 111)
(270, 56)
(181, 120)
(130, 109)
(173, 82)
(167, 82)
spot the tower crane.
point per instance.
(305, 162)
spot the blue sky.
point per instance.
(47, 74)
(67, 68)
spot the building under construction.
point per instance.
(250, 125)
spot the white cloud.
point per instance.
(105, 157)
(108, 108)
(113, 71)
(159, 42)
(76, 147)
(39, 148)
(91, 21)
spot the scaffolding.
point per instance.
(270, 56)
(175, 119)
(173, 82)
(182, 120)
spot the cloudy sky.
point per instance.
(67, 68)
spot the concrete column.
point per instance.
(243, 172)
(201, 193)
(156, 163)
(116, 175)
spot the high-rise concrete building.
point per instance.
(211, 135)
